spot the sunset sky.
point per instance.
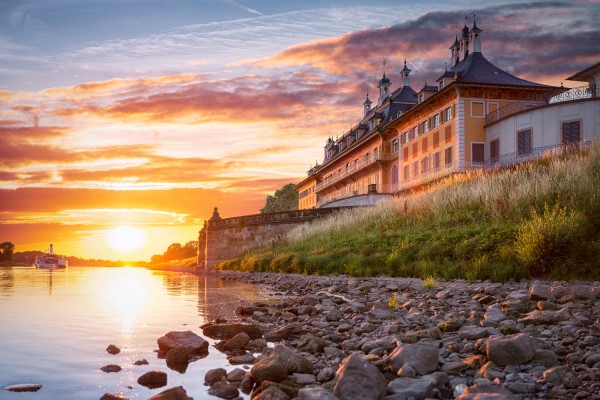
(148, 113)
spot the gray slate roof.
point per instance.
(477, 69)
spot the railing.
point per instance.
(505, 160)
(511, 109)
(353, 168)
(578, 93)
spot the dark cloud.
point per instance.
(547, 40)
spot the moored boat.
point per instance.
(50, 260)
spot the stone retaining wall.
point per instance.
(223, 239)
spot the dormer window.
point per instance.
(441, 85)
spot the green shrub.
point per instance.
(429, 282)
(545, 239)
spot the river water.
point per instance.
(56, 324)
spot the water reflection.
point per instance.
(7, 280)
(57, 324)
(218, 298)
(127, 295)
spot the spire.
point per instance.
(475, 34)
(384, 86)
(405, 72)
(464, 40)
(367, 104)
(455, 51)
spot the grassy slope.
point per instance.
(536, 219)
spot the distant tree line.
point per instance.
(6, 251)
(27, 257)
(176, 251)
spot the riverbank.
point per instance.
(536, 219)
(364, 338)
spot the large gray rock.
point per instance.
(183, 339)
(272, 393)
(423, 358)
(153, 379)
(213, 375)
(472, 332)
(311, 344)
(279, 364)
(406, 388)
(174, 393)
(540, 292)
(510, 350)
(358, 380)
(315, 393)
(227, 331)
(239, 341)
(223, 390)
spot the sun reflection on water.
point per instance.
(127, 294)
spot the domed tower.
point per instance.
(464, 41)
(474, 36)
(405, 72)
(455, 52)
(384, 88)
(367, 104)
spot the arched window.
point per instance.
(395, 174)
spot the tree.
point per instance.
(284, 199)
(6, 251)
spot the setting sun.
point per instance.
(126, 239)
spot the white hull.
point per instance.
(49, 262)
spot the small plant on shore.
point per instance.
(393, 300)
(546, 238)
(429, 282)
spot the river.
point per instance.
(55, 326)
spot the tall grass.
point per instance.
(476, 225)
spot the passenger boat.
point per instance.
(50, 260)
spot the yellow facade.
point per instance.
(410, 139)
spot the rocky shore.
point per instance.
(382, 338)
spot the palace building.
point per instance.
(476, 116)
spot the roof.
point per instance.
(477, 69)
(404, 94)
(428, 88)
(586, 74)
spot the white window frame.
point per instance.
(482, 108)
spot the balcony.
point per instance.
(578, 93)
(505, 160)
(354, 168)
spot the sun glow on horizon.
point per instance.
(126, 239)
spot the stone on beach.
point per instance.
(224, 390)
(188, 339)
(279, 364)
(315, 393)
(406, 388)
(228, 331)
(423, 358)
(239, 341)
(510, 350)
(357, 379)
(174, 393)
(214, 375)
(110, 368)
(112, 349)
(153, 379)
(110, 396)
(23, 387)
